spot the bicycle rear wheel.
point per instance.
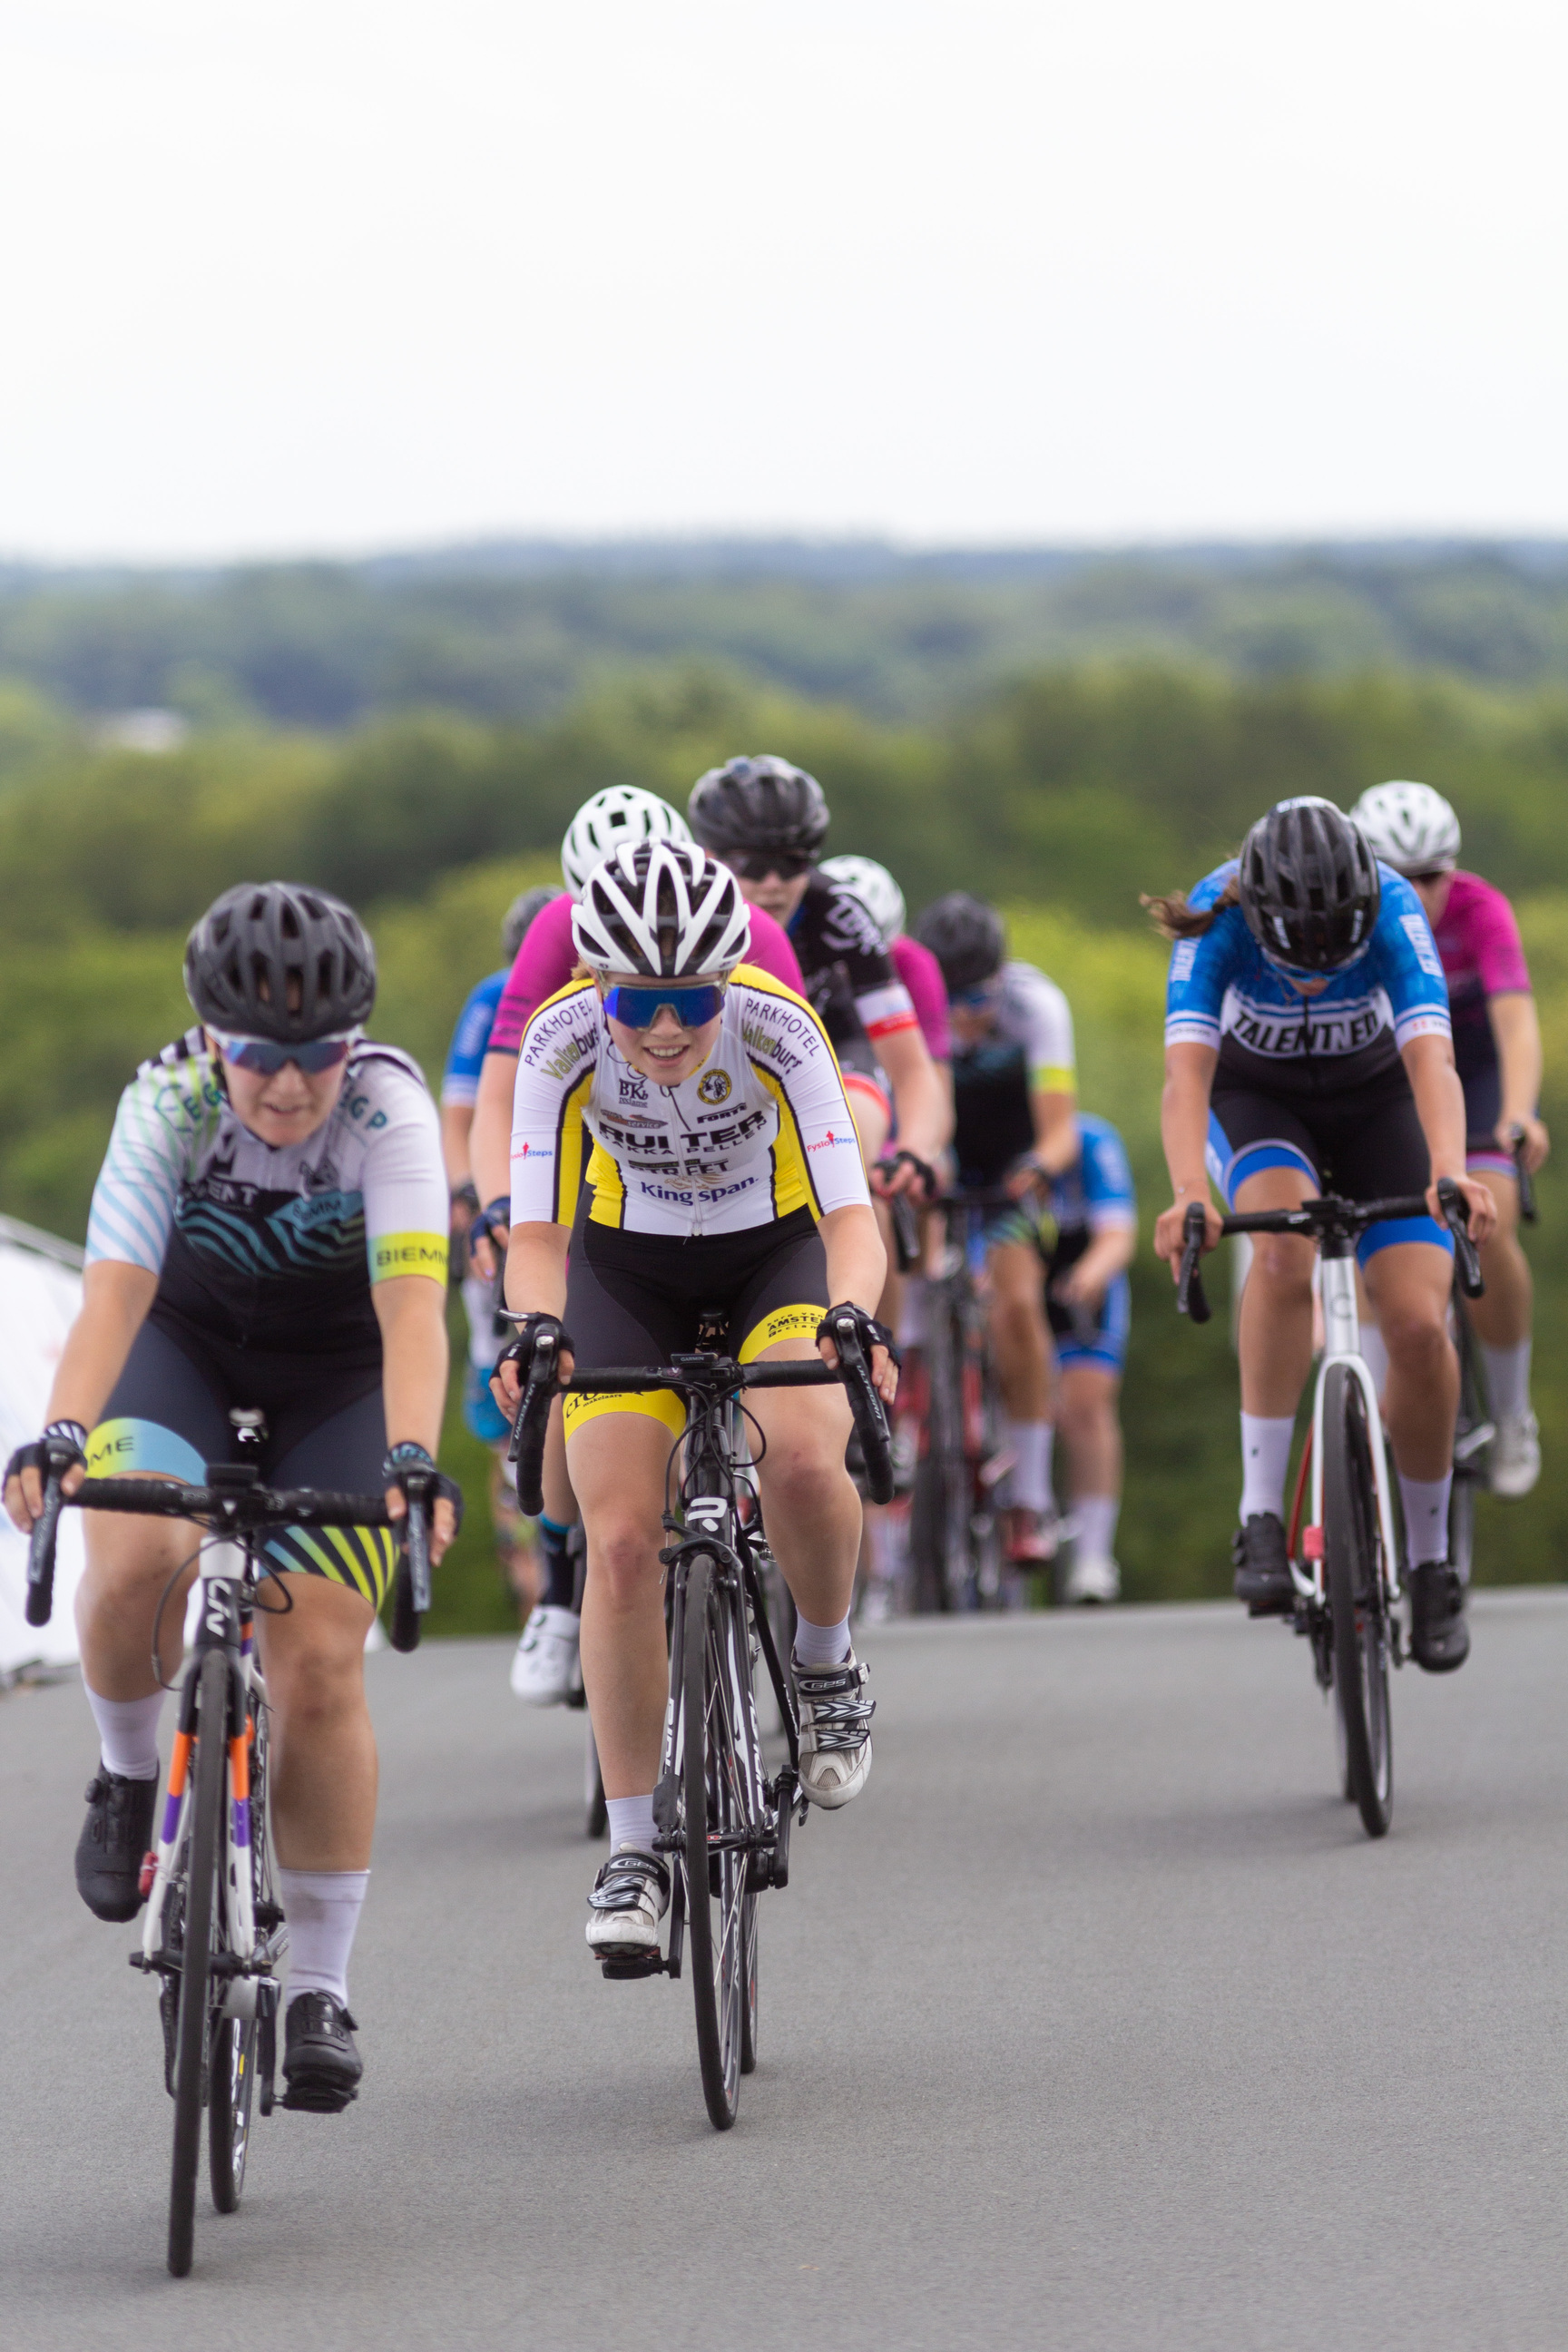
(715, 1808)
(1357, 1603)
(234, 2039)
(202, 1860)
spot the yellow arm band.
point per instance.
(393, 1254)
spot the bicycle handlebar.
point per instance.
(242, 1508)
(716, 1375)
(1524, 1179)
(1315, 1218)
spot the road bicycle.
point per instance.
(214, 1932)
(954, 1405)
(1346, 1574)
(722, 1817)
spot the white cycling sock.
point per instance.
(1508, 1378)
(1096, 1516)
(1426, 1502)
(322, 1908)
(1375, 1356)
(821, 1645)
(127, 1733)
(1265, 1459)
(631, 1822)
(1029, 1480)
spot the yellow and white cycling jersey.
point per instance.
(762, 1129)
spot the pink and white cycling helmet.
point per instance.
(1410, 827)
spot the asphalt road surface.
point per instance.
(1097, 2022)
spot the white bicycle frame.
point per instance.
(221, 1572)
(1342, 1345)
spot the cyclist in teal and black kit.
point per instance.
(1307, 1049)
(268, 1233)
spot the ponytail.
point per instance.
(1175, 920)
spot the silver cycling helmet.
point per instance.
(876, 890)
(663, 907)
(1410, 827)
(622, 812)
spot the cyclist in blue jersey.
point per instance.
(459, 1088)
(1094, 1211)
(1307, 1047)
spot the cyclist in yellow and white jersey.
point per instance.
(722, 1173)
(268, 1233)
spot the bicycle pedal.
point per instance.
(317, 2099)
(627, 1965)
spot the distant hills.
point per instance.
(518, 629)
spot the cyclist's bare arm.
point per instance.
(114, 1303)
(1517, 1032)
(535, 1285)
(490, 1142)
(857, 1270)
(412, 1312)
(1184, 1132)
(1055, 1114)
(925, 1118)
(1440, 1108)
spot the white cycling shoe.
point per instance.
(835, 1730)
(1090, 1581)
(544, 1663)
(1516, 1456)
(630, 1896)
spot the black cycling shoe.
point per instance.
(1262, 1568)
(320, 2064)
(1440, 1635)
(113, 1844)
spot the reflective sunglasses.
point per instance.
(266, 1058)
(788, 864)
(638, 1008)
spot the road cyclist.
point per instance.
(1015, 1131)
(267, 1240)
(1307, 1049)
(545, 1670)
(723, 1192)
(1093, 1209)
(459, 1084)
(1497, 1050)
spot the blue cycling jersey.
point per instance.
(466, 1055)
(1096, 1192)
(1224, 992)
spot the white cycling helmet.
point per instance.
(624, 812)
(1410, 827)
(876, 890)
(664, 908)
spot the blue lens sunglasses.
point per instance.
(266, 1057)
(638, 1008)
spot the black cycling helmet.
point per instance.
(966, 937)
(749, 805)
(281, 960)
(514, 923)
(1308, 886)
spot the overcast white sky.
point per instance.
(345, 274)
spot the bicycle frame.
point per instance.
(1342, 1345)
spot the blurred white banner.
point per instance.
(40, 1289)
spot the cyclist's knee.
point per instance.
(623, 1558)
(1283, 1263)
(1415, 1334)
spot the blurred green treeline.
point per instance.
(1062, 795)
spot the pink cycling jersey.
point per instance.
(548, 956)
(921, 975)
(1478, 940)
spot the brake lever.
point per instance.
(1456, 1215)
(1524, 1179)
(1192, 1300)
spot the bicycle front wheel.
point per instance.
(203, 1860)
(717, 1818)
(233, 2039)
(1358, 1610)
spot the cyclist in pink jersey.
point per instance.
(1497, 1052)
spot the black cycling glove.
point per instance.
(61, 1447)
(923, 1170)
(409, 1467)
(519, 1350)
(497, 1215)
(868, 1331)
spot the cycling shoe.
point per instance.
(835, 1730)
(630, 1896)
(114, 1838)
(321, 2064)
(1262, 1568)
(1439, 1634)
